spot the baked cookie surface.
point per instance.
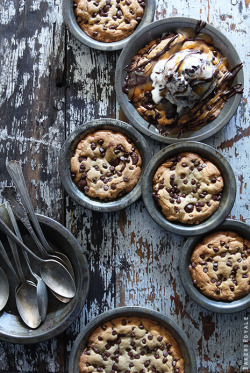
(220, 266)
(187, 188)
(108, 20)
(131, 344)
(106, 165)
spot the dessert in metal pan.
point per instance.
(108, 21)
(106, 165)
(131, 344)
(180, 81)
(220, 264)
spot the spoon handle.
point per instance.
(6, 230)
(19, 210)
(7, 260)
(15, 171)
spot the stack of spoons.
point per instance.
(50, 268)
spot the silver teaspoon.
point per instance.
(25, 293)
(4, 289)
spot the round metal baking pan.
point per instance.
(167, 323)
(73, 27)
(143, 37)
(60, 316)
(69, 148)
(185, 256)
(228, 194)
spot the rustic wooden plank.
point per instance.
(50, 84)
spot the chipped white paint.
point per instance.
(132, 260)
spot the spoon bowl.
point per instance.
(27, 304)
(4, 289)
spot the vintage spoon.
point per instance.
(42, 295)
(15, 171)
(53, 273)
(4, 289)
(25, 293)
(19, 210)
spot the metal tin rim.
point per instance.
(163, 320)
(76, 304)
(228, 196)
(72, 25)
(184, 260)
(66, 153)
(132, 114)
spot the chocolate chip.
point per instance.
(183, 176)
(156, 355)
(106, 8)
(105, 187)
(114, 162)
(244, 276)
(228, 263)
(135, 158)
(138, 19)
(126, 179)
(94, 180)
(185, 181)
(95, 33)
(82, 184)
(205, 270)
(213, 280)
(216, 249)
(86, 188)
(140, 326)
(147, 363)
(81, 159)
(119, 13)
(189, 208)
(150, 337)
(184, 165)
(244, 268)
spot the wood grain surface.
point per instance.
(49, 84)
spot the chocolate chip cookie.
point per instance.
(133, 345)
(220, 266)
(108, 20)
(188, 188)
(106, 165)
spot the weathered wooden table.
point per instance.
(49, 84)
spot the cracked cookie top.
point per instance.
(131, 344)
(188, 188)
(106, 165)
(108, 20)
(220, 266)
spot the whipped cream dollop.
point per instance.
(184, 78)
